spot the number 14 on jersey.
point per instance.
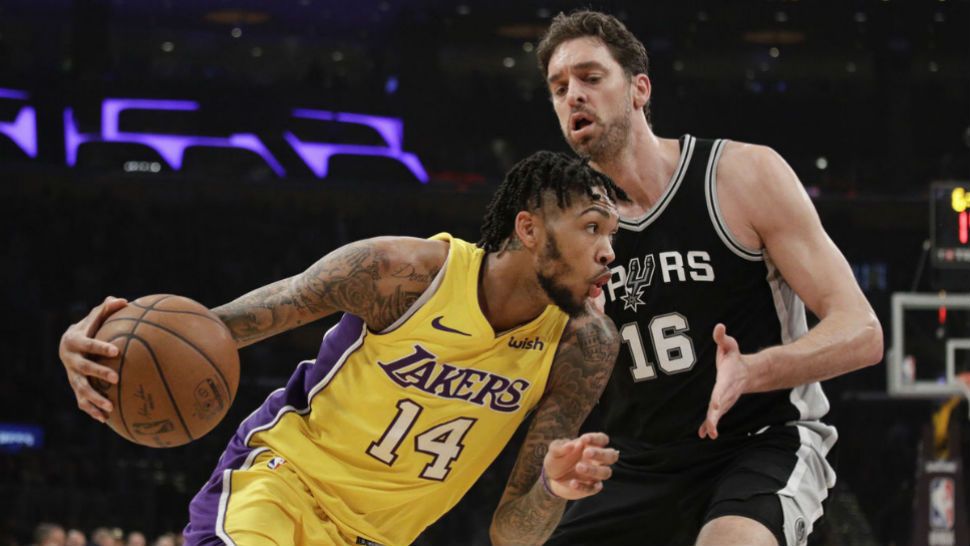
(442, 442)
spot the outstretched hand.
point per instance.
(577, 468)
(732, 380)
(76, 348)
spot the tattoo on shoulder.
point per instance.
(348, 280)
(344, 280)
(409, 272)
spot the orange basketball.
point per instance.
(178, 370)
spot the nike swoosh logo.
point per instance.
(436, 322)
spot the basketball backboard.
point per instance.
(930, 345)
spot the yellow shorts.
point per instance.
(269, 505)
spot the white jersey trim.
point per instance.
(809, 482)
(809, 399)
(714, 208)
(640, 223)
(226, 491)
(788, 306)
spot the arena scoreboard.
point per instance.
(949, 219)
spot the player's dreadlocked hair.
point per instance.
(525, 184)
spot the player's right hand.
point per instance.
(577, 468)
(77, 345)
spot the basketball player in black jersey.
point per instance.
(714, 403)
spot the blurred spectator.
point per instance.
(136, 538)
(75, 537)
(102, 537)
(49, 534)
(168, 539)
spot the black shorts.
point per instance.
(663, 496)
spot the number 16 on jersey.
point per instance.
(672, 347)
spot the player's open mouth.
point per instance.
(597, 287)
(580, 121)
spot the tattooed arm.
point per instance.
(530, 510)
(375, 279)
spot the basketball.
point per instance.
(178, 370)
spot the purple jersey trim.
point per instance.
(308, 379)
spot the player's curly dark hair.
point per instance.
(525, 184)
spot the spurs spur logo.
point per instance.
(637, 280)
(629, 283)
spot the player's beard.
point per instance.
(551, 261)
(608, 144)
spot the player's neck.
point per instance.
(508, 293)
(643, 167)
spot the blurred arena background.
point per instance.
(207, 147)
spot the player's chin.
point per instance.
(578, 305)
(581, 147)
(583, 296)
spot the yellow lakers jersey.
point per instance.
(388, 430)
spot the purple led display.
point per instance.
(13, 94)
(23, 129)
(317, 154)
(170, 147)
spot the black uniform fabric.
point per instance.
(679, 267)
(662, 497)
(678, 272)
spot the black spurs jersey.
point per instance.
(678, 272)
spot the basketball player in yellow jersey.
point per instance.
(443, 349)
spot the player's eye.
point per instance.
(592, 227)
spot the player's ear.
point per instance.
(641, 91)
(527, 227)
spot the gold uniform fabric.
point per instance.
(406, 420)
